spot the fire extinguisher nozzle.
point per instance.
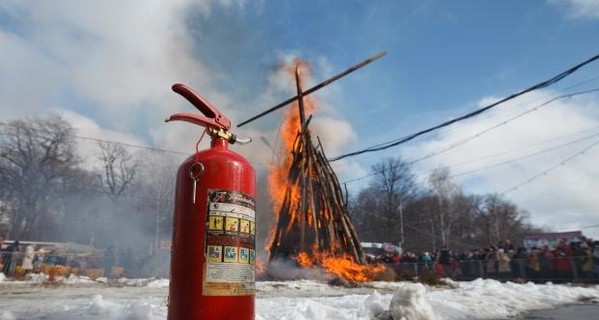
(243, 141)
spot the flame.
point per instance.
(260, 267)
(280, 188)
(346, 268)
(304, 260)
(342, 266)
(277, 177)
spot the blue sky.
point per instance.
(108, 68)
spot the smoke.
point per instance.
(286, 269)
(110, 61)
(269, 151)
(107, 68)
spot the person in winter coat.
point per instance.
(491, 262)
(534, 264)
(426, 260)
(563, 261)
(10, 258)
(587, 267)
(504, 270)
(519, 262)
(595, 256)
(445, 261)
(28, 259)
(547, 260)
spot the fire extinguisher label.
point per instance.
(230, 250)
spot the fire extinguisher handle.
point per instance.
(213, 118)
(193, 118)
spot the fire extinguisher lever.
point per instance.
(213, 118)
(215, 122)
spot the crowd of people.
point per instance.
(566, 262)
(18, 260)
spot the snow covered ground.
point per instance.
(145, 299)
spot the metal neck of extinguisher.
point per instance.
(216, 124)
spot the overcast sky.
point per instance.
(107, 66)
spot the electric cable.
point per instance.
(544, 173)
(540, 85)
(477, 135)
(455, 145)
(129, 145)
(524, 156)
(453, 165)
(505, 152)
(575, 85)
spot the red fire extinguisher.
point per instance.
(213, 254)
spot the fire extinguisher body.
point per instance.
(214, 234)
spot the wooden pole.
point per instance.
(316, 87)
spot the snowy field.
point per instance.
(144, 299)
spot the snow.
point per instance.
(409, 302)
(146, 299)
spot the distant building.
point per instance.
(550, 239)
(374, 249)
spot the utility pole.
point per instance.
(401, 233)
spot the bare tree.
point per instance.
(380, 207)
(119, 168)
(446, 193)
(157, 192)
(501, 219)
(365, 216)
(35, 157)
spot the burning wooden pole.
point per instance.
(313, 220)
(316, 87)
(318, 222)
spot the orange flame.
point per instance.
(304, 260)
(260, 267)
(342, 266)
(279, 187)
(277, 177)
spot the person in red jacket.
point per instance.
(563, 261)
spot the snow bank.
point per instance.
(409, 303)
(373, 306)
(101, 307)
(146, 299)
(491, 299)
(137, 310)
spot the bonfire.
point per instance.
(313, 226)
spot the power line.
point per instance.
(525, 156)
(130, 145)
(399, 141)
(479, 134)
(563, 162)
(440, 151)
(503, 153)
(520, 148)
(549, 95)
(154, 149)
(122, 195)
(108, 141)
